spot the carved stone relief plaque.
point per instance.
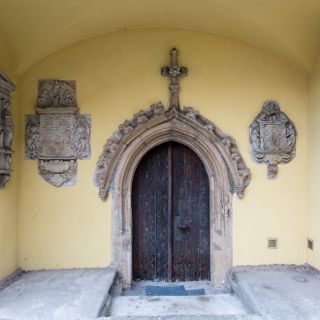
(6, 129)
(57, 135)
(272, 138)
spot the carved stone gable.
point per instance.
(57, 135)
(272, 138)
(6, 129)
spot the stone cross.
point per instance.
(174, 72)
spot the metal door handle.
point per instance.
(183, 227)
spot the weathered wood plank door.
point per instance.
(170, 214)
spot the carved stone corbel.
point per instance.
(57, 135)
(272, 138)
(6, 129)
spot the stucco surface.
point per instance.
(286, 28)
(314, 169)
(117, 75)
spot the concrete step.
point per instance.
(278, 292)
(142, 306)
(57, 294)
(184, 317)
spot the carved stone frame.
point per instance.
(226, 171)
(57, 135)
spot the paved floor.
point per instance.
(184, 317)
(272, 294)
(280, 295)
(133, 302)
(56, 295)
(218, 304)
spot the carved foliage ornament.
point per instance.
(148, 118)
(6, 129)
(155, 115)
(272, 138)
(57, 135)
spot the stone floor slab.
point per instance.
(201, 317)
(280, 295)
(56, 294)
(188, 305)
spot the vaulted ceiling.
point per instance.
(35, 28)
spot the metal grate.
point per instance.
(273, 243)
(310, 244)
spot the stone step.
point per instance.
(218, 304)
(184, 317)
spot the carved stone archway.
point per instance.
(226, 170)
(122, 153)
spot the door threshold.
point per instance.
(138, 287)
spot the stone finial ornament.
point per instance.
(57, 135)
(189, 118)
(272, 138)
(6, 129)
(174, 72)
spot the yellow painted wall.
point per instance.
(9, 195)
(117, 74)
(314, 169)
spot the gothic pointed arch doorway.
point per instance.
(170, 216)
(218, 152)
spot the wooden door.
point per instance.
(170, 214)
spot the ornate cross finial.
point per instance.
(174, 72)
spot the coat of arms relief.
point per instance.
(57, 135)
(272, 138)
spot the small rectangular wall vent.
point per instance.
(310, 244)
(272, 243)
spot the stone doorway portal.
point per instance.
(218, 152)
(170, 216)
